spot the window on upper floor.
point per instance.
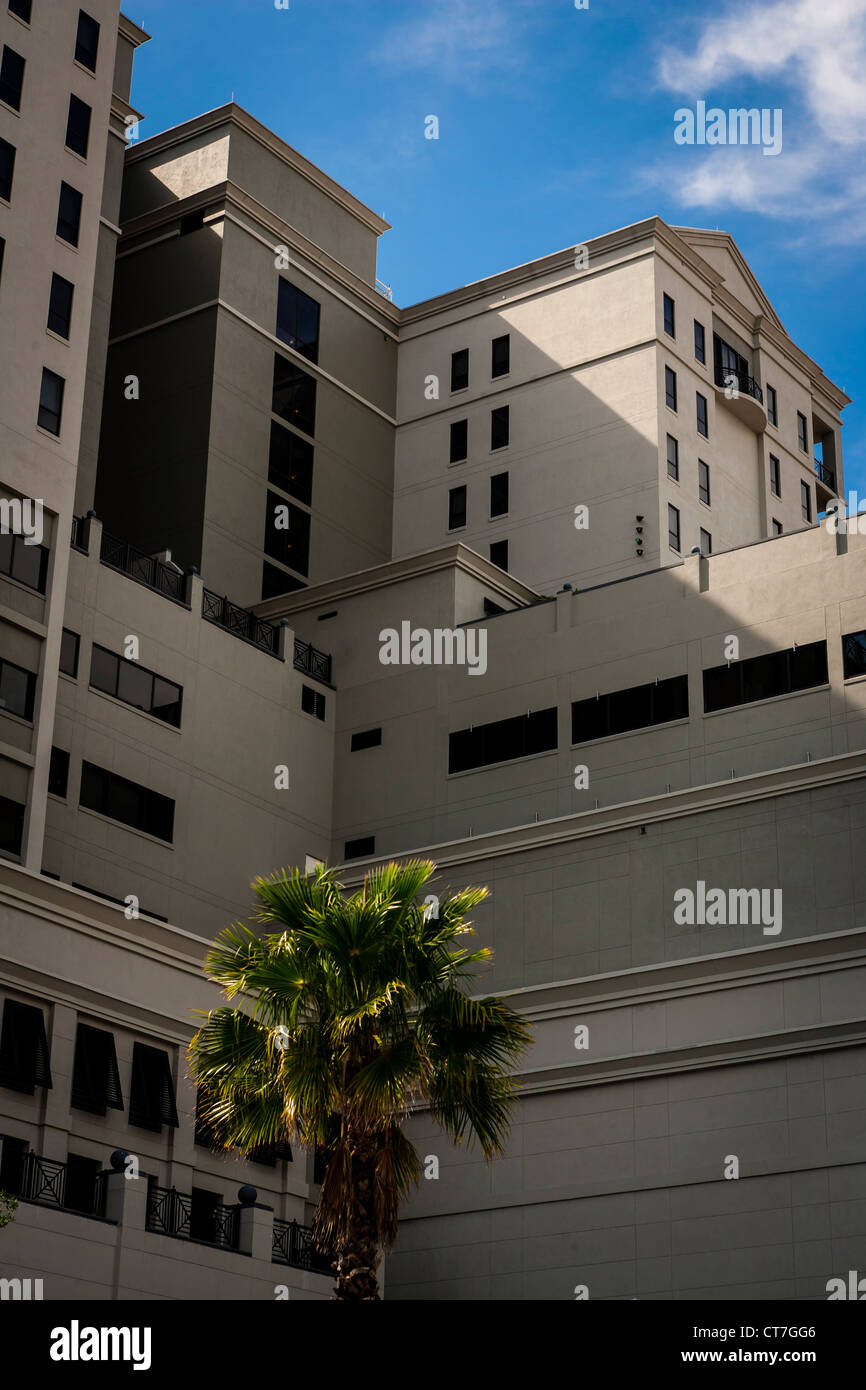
(456, 508)
(78, 126)
(60, 306)
(135, 685)
(499, 555)
(670, 388)
(17, 690)
(700, 342)
(95, 1076)
(706, 542)
(87, 41)
(500, 427)
(7, 169)
(460, 370)
(151, 1095)
(778, 528)
(363, 848)
(775, 476)
(499, 500)
(69, 214)
(294, 397)
(275, 581)
(28, 564)
(12, 67)
(459, 441)
(70, 644)
(290, 463)
(704, 482)
(673, 458)
(854, 654)
(287, 533)
(622, 711)
(500, 356)
(806, 502)
(702, 416)
(11, 825)
(58, 773)
(298, 320)
(21, 8)
(368, 738)
(503, 740)
(128, 803)
(669, 316)
(50, 415)
(673, 527)
(772, 406)
(802, 432)
(763, 677)
(24, 1056)
(312, 702)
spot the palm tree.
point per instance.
(353, 1012)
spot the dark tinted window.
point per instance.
(11, 78)
(294, 395)
(806, 501)
(135, 685)
(460, 369)
(151, 1096)
(275, 581)
(290, 464)
(370, 738)
(95, 1077)
(700, 342)
(456, 508)
(87, 41)
(81, 1191)
(17, 690)
(11, 825)
(673, 458)
(503, 740)
(287, 533)
(704, 481)
(360, 849)
(499, 555)
(7, 169)
(703, 420)
(638, 707)
(50, 414)
(772, 406)
(802, 433)
(78, 126)
(69, 646)
(775, 476)
(22, 8)
(499, 494)
(459, 445)
(127, 802)
(762, 677)
(673, 528)
(854, 654)
(500, 364)
(499, 427)
(23, 1048)
(58, 772)
(69, 214)
(298, 320)
(670, 388)
(670, 327)
(312, 701)
(60, 306)
(26, 563)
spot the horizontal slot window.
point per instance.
(127, 802)
(370, 738)
(136, 686)
(763, 677)
(503, 741)
(638, 707)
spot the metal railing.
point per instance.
(746, 385)
(311, 661)
(293, 1245)
(44, 1182)
(826, 475)
(170, 1213)
(144, 569)
(240, 622)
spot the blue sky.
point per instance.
(556, 125)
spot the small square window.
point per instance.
(360, 849)
(500, 364)
(775, 476)
(704, 482)
(312, 702)
(670, 388)
(460, 370)
(78, 126)
(51, 401)
(702, 417)
(459, 446)
(673, 458)
(499, 555)
(802, 433)
(87, 41)
(700, 342)
(69, 214)
(12, 67)
(772, 406)
(500, 427)
(669, 316)
(673, 528)
(60, 306)
(7, 169)
(456, 508)
(706, 542)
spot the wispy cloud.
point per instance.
(460, 40)
(814, 52)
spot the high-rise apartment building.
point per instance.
(525, 579)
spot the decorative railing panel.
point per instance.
(240, 622)
(173, 1213)
(293, 1245)
(312, 662)
(144, 569)
(745, 384)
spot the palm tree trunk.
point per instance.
(359, 1254)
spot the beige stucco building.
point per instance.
(598, 478)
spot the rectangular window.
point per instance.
(287, 533)
(60, 306)
(500, 364)
(802, 433)
(17, 690)
(499, 555)
(51, 401)
(703, 418)
(459, 446)
(360, 849)
(69, 214)
(22, 8)
(7, 169)
(312, 702)
(24, 1054)
(772, 406)
(298, 320)
(126, 802)
(11, 825)
(80, 1191)
(777, 527)
(11, 77)
(502, 741)
(151, 1095)
(763, 677)
(704, 482)
(370, 738)
(294, 398)
(673, 527)
(700, 342)
(135, 685)
(58, 772)
(775, 476)
(290, 463)
(806, 502)
(706, 542)
(624, 710)
(78, 126)
(28, 564)
(673, 458)
(670, 388)
(456, 508)
(95, 1077)
(854, 654)
(670, 321)
(275, 582)
(87, 41)
(499, 494)
(70, 643)
(500, 428)
(460, 370)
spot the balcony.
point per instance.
(826, 479)
(240, 622)
(293, 1245)
(144, 569)
(178, 1214)
(73, 1186)
(742, 395)
(312, 662)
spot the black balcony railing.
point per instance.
(173, 1213)
(240, 622)
(293, 1245)
(826, 475)
(79, 538)
(46, 1183)
(312, 662)
(144, 569)
(726, 377)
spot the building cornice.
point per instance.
(133, 33)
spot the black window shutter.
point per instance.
(151, 1099)
(23, 1048)
(95, 1077)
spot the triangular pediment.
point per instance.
(721, 252)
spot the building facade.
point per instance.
(527, 579)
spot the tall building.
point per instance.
(526, 579)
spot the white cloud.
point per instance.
(459, 39)
(814, 51)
